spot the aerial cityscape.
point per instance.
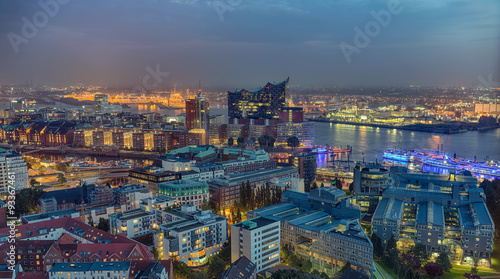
(192, 139)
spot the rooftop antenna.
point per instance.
(199, 87)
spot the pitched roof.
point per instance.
(242, 268)
(70, 225)
(139, 266)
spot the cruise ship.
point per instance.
(440, 162)
(399, 155)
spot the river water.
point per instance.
(370, 142)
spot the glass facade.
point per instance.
(182, 188)
(264, 103)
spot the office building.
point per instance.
(263, 103)
(172, 163)
(208, 171)
(197, 113)
(191, 236)
(225, 191)
(151, 177)
(322, 226)
(185, 191)
(257, 160)
(291, 183)
(258, 239)
(442, 212)
(304, 131)
(369, 180)
(307, 165)
(292, 114)
(130, 196)
(13, 171)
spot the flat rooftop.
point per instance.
(255, 223)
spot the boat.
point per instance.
(398, 155)
(440, 162)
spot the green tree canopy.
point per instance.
(216, 266)
(444, 261)
(103, 224)
(293, 142)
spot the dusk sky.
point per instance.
(244, 43)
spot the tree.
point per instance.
(181, 270)
(411, 261)
(240, 141)
(293, 142)
(472, 274)
(391, 244)
(238, 216)
(33, 182)
(433, 270)
(225, 252)
(378, 249)
(314, 185)
(403, 272)
(307, 265)
(198, 275)
(285, 253)
(103, 224)
(26, 200)
(391, 259)
(419, 251)
(216, 267)
(338, 183)
(351, 187)
(155, 253)
(230, 141)
(270, 141)
(444, 261)
(262, 141)
(205, 205)
(61, 179)
(61, 167)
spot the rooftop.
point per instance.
(97, 266)
(255, 223)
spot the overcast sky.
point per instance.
(244, 43)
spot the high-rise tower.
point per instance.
(197, 113)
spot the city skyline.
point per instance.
(228, 43)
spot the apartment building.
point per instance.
(130, 196)
(185, 191)
(191, 236)
(225, 191)
(13, 171)
(258, 239)
(133, 223)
